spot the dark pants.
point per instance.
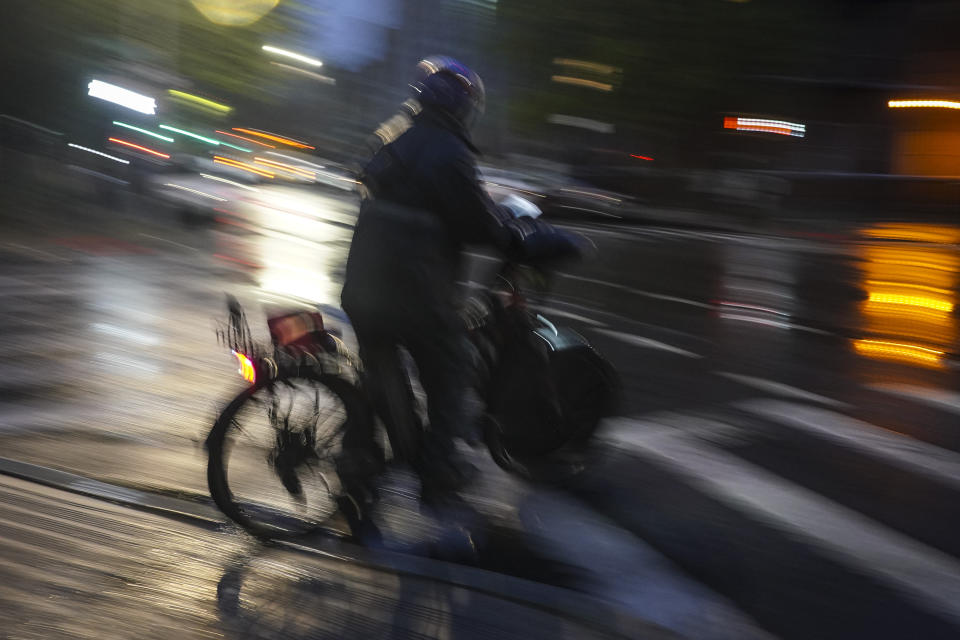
(436, 342)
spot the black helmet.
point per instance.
(451, 86)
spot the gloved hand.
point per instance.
(537, 242)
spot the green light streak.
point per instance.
(215, 143)
(149, 133)
(233, 146)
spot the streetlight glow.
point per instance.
(123, 97)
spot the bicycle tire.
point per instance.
(588, 390)
(288, 523)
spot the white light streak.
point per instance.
(313, 62)
(293, 159)
(99, 153)
(121, 96)
(316, 76)
(199, 193)
(236, 184)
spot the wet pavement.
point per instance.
(76, 567)
(785, 456)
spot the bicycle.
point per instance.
(307, 364)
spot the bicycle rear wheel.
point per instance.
(272, 453)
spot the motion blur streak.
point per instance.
(121, 96)
(140, 148)
(99, 153)
(210, 104)
(595, 67)
(313, 62)
(648, 158)
(765, 126)
(939, 104)
(233, 135)
(910, 293)
(899, 351)
(143, 131)
(316, 76)
(199, 193)
(916, 232)
(591, 194)
(275, 138)
(230, 182)
(32, 125)
(243, 166)
(583, 82)
(913, 301)
(284, 167)
(189, 134)
(233, 146)
(286, 157)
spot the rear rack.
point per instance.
(235, 334)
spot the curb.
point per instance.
(561, 602)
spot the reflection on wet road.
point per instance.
(911, 286)
(767, 379)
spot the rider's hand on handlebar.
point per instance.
(538, 242)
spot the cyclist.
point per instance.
(422, 203)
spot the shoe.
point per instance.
(357, 514)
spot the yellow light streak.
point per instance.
(210, 104)
(582, 82)
(938, 104)
(912, 301)
(898, 351)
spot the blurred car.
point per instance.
(558, 196)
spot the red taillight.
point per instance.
(247, 370)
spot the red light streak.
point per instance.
(139, 148)
(633, 155)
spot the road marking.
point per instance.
(780, 389)
(647, 343)
(573, 316)
(900, 450)
(931, 578)
(639, 292)
(947, 400)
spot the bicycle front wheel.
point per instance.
(272, 453)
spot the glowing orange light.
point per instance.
(285, 167)
(937, 104)
(246, 370)
(898, 351)
(269, 136)
(233, 135)
(912, 301)
(633, 155)
(236, 164)
(139, 148)
(917, 232)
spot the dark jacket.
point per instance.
(424, 203)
